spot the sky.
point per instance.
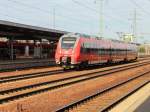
(82, 16)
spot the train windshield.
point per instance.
(68, 42)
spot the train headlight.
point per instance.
(57, 60)
(72, 61)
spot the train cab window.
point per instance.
(68, 42)
(83, 49)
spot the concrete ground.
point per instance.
(145, 107)
(138, 102)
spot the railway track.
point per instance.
(104, 100)
(143, 58)
(25, 91)
(28, 76)
(35, 75)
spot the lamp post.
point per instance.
(101, 19)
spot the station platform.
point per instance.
(145, 107)
(3, 62)
(138, 102)
(7, 65)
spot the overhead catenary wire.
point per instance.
(62, 16)
(83, 5)
(139, 7)
(66, 18)
(70, 11)
(46, 11)
(95, 11)
(16, 17)
(13, 18)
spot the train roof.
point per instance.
(81, 35)
(115, 43)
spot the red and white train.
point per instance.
(77, 50)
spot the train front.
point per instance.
(66, 51)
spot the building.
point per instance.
(144, 49)
(128, 38)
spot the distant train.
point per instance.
(77, 50)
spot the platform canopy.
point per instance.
(27, 32)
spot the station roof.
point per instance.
(27, 32)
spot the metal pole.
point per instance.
(101, 18)
(54, 14)
(134, 23)
(11, 49)
(41, 49)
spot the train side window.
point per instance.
(102, 51)
(112, 51)
(117, 52)
(83, 48)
